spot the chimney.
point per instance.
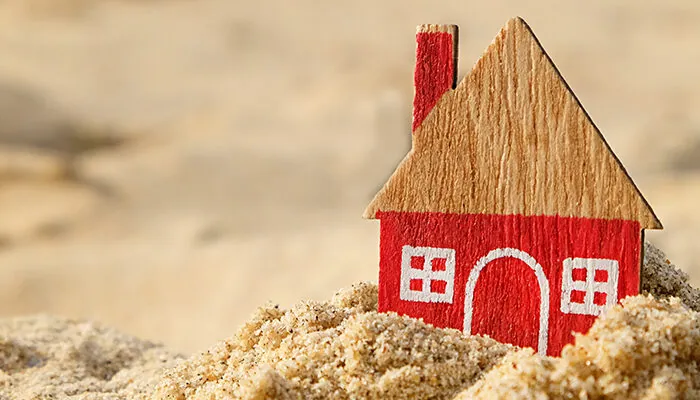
(436, 67)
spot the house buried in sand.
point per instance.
(511, 216)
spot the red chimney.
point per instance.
(436, 67)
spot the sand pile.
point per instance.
(345, 349)
(51, 358)
(647, 348)
(339, 349)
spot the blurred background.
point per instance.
(167, 166)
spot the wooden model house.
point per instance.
(510, 216)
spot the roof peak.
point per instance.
(512, 138)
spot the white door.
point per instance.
(541, 280)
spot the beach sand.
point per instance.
(644, 349)
(648, 347)
(44, 357)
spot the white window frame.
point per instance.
(590, 287)
(427, 275)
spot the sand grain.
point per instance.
(44, 357)
(340, 349)
(644, 349)
(647, 348)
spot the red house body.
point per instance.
(510, 216)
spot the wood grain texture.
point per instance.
(512, 139)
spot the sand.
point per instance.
(338, 349)
(44, 357)
(662, 279)
(644, 349)
(649, 347)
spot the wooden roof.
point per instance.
(512, 138)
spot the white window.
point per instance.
(589, 285)
(427, 274)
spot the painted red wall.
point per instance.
(506, 296)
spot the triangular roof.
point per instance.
(512, 138)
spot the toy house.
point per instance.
(510, 216)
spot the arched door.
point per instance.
(541, 281)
